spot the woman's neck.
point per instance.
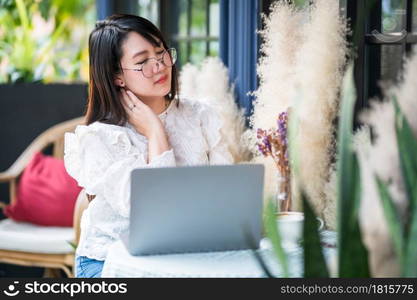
(157, 104)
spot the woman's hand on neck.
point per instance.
(157, 104)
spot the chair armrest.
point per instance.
(14, 171)
(41, 142)
(7, 176)
(10, 177)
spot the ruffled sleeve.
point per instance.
(211, 124)
(101, 160)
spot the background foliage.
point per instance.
(44, 40)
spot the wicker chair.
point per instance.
(27, 244)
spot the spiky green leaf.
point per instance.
(272, 232)
(353, 256)
(314, 263)
(392, 218)
(407, 149)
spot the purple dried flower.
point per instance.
(274, 143)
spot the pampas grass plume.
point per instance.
(209, 83)
(382, 158)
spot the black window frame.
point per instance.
(169, 25)
(365, 15)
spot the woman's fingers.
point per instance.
(126, 102)
(135, 100)
(131, 103)
(126, 98)
(127, 108)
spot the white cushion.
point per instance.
(21, 236)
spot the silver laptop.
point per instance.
(195, 209)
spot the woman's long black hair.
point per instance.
(105, 52)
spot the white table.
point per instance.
(242, 263)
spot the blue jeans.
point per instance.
(88, 267)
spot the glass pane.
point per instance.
(182, 53)
(183, 20)
(415, 15)
(198, 51)
(199, 18)
(214, 48)
(391, 62)
(214, 18)
(393, 15)
(149, 9)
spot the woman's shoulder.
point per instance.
(99, 126)
(194, 108)
(108, 133)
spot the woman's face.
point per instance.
(135, 50)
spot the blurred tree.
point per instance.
(44, 40)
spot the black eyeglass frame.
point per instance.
(172, 52)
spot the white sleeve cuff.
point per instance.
(165, 159)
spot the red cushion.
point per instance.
(46, 194)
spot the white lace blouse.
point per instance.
(100, 157)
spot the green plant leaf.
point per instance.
(393, 221)
(7, 4)
(300, 3)
(353, 256)
(407, 149)
(314, 263)
(22, 51)
(410, 261)
(272, 232)
(21, 7)
(44, 9)
(73, 245)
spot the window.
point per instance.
(192, 26)
(149, 9)
(384, 31)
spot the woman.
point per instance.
(134, 120)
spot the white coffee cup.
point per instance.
(290, 226)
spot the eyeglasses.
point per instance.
(167, 58)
